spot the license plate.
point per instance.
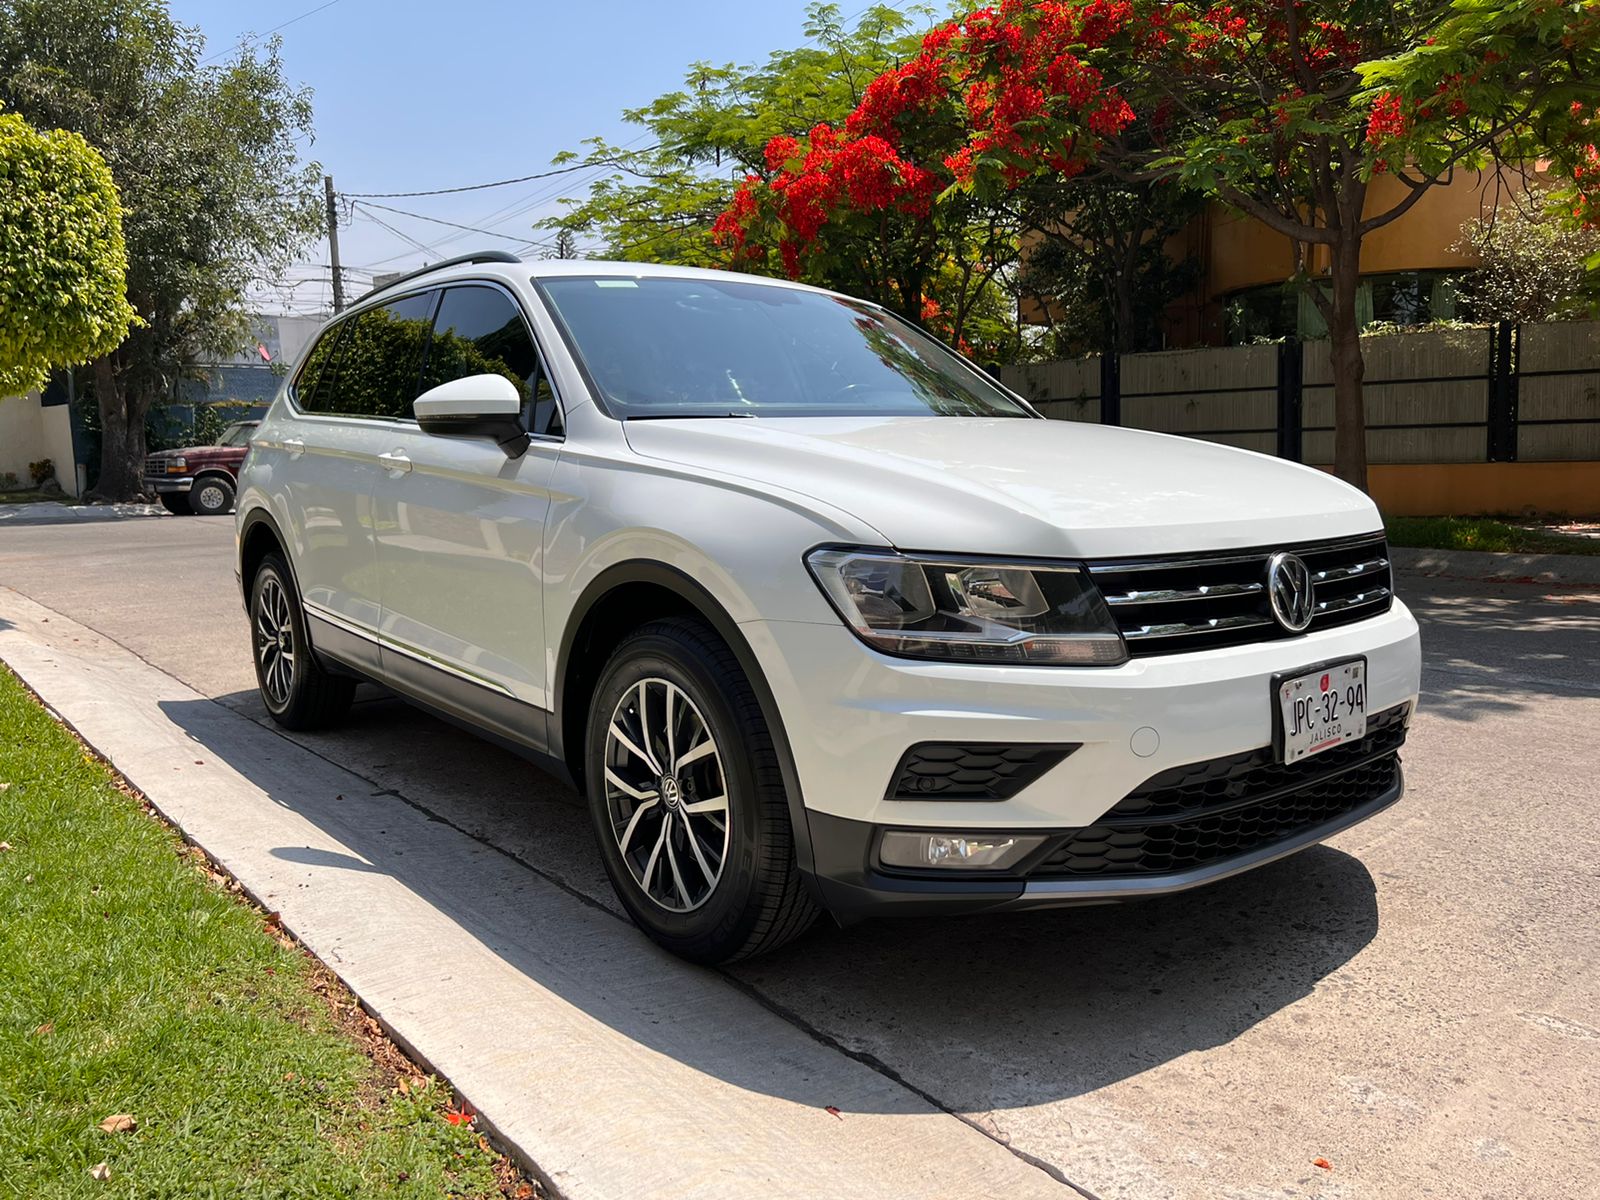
(1321, 709)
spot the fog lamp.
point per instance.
(955, 851)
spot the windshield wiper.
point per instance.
(686, 416)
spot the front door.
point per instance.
(460, 534)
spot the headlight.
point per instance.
(177, 466)
(967, 610)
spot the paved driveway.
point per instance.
(1418, 1002)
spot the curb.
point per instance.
(605, 1068)
(46, 512)
(1499, 567)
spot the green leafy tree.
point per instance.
(732, 126)
(1098, 265)
(659, 202)
(1531, 264)
(208, 166)
(63, 263)
(1287, 110)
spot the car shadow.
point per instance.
(989, 1011)
(1055, 1003)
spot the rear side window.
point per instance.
(480, 331)
(315, 366)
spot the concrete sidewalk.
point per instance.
(611, 1069)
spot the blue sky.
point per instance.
(413, 96)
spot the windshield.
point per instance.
(237, 435)
(714, 348)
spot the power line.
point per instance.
(452, 224)
(404, 237)
(256, 37)
(471, 187)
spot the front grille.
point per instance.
(155, 466)
(972, 771)
(1203, 813)
(1202, 601)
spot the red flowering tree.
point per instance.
(883, 205)
(1283, 109)
(1288, 109)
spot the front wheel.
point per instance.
(211, 496)
(687, 800)
(297, 692)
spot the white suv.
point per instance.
(818, 616)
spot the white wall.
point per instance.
(28, 432)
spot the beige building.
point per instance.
(1410, 267)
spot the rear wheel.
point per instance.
(176, 503)
(212, 496)
(687, 800)
(297, 692)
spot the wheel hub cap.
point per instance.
(275, 643)
(666, 795)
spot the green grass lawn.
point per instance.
(133, 981)
(1482, 533)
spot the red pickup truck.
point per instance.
(200, 479)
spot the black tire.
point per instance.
(176, 503)
(758, 900)
(311, 698)
(211, 496)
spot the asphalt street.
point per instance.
(1417, 1003)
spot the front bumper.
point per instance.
(851, 884)
(167, 484)
(850, 714)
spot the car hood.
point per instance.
(203, 453)
(1022, 487)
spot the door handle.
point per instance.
(294, 446)
(395, 461)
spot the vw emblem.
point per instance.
(670, 793)
(1289, 587)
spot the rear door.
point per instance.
(358, 382)
(460, 532)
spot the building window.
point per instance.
(1404, 298)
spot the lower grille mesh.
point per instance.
(972, 771)
(1205, 813)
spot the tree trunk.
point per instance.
(1122, 335)
(1344, 356)
(122, 446)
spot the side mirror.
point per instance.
(477, 406)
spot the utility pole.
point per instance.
(333, 246)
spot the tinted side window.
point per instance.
(480, 331)
(315, 366)
(378, 361)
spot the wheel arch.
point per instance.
(259, 536)
(619, 600)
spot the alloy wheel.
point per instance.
(667, 795)
(275, 649)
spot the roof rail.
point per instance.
(461, 260)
